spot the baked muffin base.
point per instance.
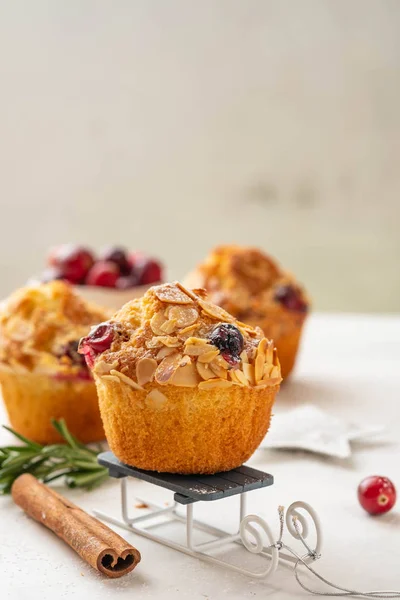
(193, 431)
(33, 399)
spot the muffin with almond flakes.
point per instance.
(254, 288)
(42, 375)
(183, 387)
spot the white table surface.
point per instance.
(349, 365)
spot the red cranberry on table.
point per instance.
(291, 298)
(103, 273)
(118, 256)
(73, 262)
(376, 494)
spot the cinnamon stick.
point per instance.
(98, 545)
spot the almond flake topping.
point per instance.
(171, 342)
(269, 354)
(102, 367)
(204, 371)
(111, 378)
(167, 368)
(186, 376)
(214, 383)
(248, 370)
(241, 377)
(145, 370)
(169, 326)
(172, 294)
(259, 367)
(208, 356)
(184, 316)
(197, 349)
(126, 380)
(189, 329)
(190, 293)
(218, 370)
(244, 357)
(214, 311)
(156, 399)
(156, 323)
(165, 351)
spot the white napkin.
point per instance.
(312, 429)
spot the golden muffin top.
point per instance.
(176, 336)
(246, 282)
(40, 328)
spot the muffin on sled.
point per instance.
(42, 375)
(183, 387)
(251, 286)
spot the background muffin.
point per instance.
(41, 373)
(252, 287)
(183, 387)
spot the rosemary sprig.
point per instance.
(72, 460)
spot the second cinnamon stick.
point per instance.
(96, 543)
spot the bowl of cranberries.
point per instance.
(111, 278)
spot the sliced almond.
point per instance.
(244, 357)
(169, 326)
(186, 376)
(183, 315)
(154, 342)
(204, 371)
(261, 348)
(259, 367)
(267, 370)
(221, 362)
(269, 354)
(171, 342)
(111, 378)
(164, 351)
(196, 341)
(197, 347)
(102, 367)
(218, 370)
(190, 293)
(208, 356)
(275, 373)
(167, 368)
(241, 377)
(232, 376)
(156, 323)
(214, 311)
(248, 370)
(189, 329)
(145, 370)
(214, 383)
(172, 294)
(156, 399)
(126, 380)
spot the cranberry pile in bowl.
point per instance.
(110, 278)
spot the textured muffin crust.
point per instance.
(165, 337)
(247, 283)
(42, 375)
(171, 397)
(40, 328)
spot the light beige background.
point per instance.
(173, 125)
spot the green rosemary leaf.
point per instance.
(23, 439)
(73, 460)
